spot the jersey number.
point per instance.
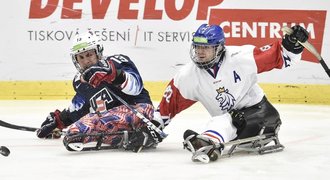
(119, 59)
(168, 93)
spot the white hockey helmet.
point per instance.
(84, 42)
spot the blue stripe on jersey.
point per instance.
(216, 133)
(133, 84)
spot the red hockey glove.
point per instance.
(103, 71)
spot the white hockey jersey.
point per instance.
(232, 84)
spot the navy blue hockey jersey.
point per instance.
(88, 98)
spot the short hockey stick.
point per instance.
(310, 48)
(17, 127)
(26, 128)
(150, 125)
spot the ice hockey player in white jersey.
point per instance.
(224, 80)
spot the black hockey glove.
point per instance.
(238, 119)
(290, 42)
(51, 127)
(104, 70)
(143, 138)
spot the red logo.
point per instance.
(125, 11)
(261, 27)
(250, 26)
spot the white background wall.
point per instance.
(25, 56)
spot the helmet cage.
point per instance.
(83, 44)
(218, 49)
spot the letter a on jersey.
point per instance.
(236, 77)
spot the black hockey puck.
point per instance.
(4, 151)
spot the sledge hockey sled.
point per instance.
(260, 144)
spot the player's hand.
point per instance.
(299, 34)
(143, 138)
(51, 127)
(103, 70)
(238, 119)
(290, 42)
(159, 121)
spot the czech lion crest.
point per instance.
(225, 99)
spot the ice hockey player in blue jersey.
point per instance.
(93, 108)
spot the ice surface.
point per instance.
(304, 133)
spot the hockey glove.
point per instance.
(143, 138)
(159, 121)
(290, 42)
(51, 127)
(103, 71)
(238, 119)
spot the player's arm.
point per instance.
(118, 70)
(171, 104)
(58, 120)
(281, 54)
